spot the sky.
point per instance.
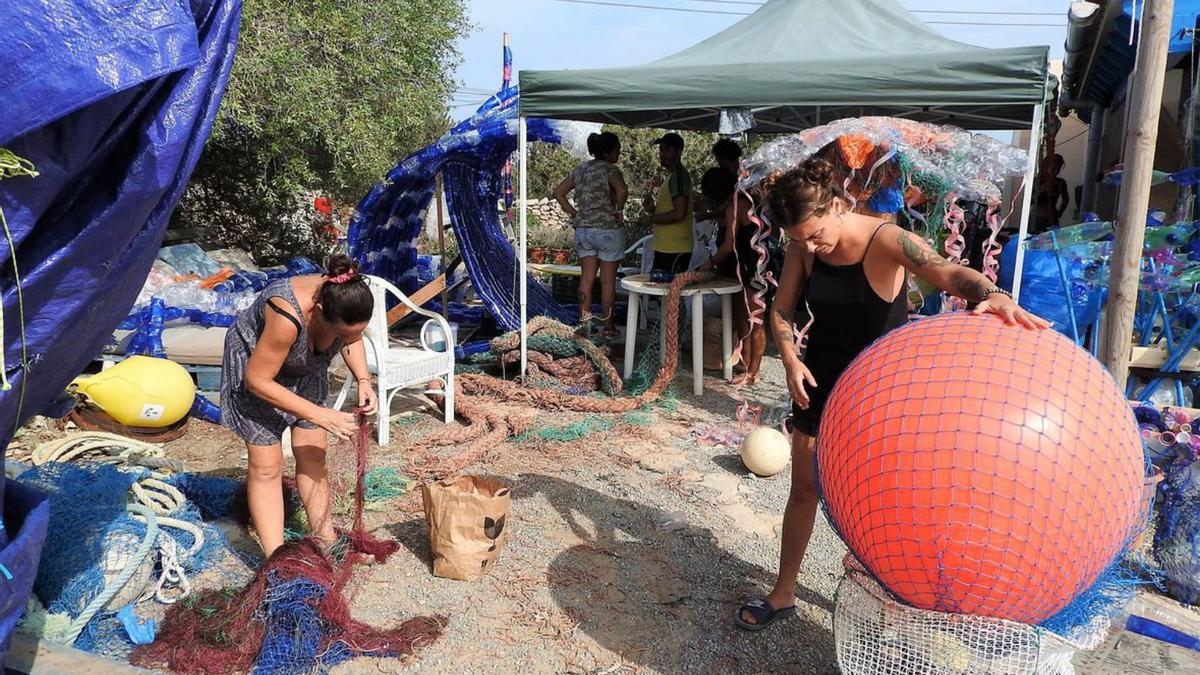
(548, 34)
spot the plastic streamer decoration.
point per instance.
(470, 157)
(923, 171)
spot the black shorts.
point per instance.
(808, 422)
(675, 263)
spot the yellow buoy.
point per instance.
(766, 451)
(141, 391)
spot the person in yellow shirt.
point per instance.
(672, 213)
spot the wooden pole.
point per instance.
(438, 194)
(1141, 135)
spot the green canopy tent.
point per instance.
(794, 64)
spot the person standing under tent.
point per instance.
(851, 271)
(671, 215)
(275, 376)
(1052, 199)
(728, 155)
(598, 216)
(736, 259)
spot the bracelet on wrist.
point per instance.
(996, 290)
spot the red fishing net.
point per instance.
(293, 616)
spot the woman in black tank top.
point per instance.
(851, 271)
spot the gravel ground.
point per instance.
(629, 550)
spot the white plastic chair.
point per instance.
(403, 367)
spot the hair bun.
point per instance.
(340, 263)
(817, 171)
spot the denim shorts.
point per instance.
(605, 244)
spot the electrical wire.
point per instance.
(693, 10)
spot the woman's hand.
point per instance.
(1003, 306)
(367, 400)
(798, 376)
(338, 423)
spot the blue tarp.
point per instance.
(112, 101)
(1042, 290)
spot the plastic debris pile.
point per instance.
(1172, 439)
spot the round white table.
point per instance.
(640, 284)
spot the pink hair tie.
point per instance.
(343, 278)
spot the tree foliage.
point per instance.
(325, 96)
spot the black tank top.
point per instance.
(847, 315)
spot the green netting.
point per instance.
(648, 363)
(383, 483)
(638, 418)
(569, 432)
(553, 345)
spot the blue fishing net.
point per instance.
(92, 538)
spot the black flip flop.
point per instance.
(764, 615)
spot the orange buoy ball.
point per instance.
(979, 468)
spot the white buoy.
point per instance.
(766, 451)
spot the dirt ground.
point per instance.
(629, 551)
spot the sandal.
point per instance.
(764, 615)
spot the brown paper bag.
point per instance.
(466, 518)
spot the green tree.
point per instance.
(325, 95)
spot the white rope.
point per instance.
(173, 574)
(164, 499)
(110, 591)
(93, 443)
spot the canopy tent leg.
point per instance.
(521, 251)
(1035, 144)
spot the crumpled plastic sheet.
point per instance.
(972, 165)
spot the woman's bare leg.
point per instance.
(608, 291)
(798, 518)
(587, 279)
(264, 492)
(312, 480)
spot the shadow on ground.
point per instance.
(664, 599)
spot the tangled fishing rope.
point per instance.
(103, 447)
(548, 339)
(482, 385)
(488, 426)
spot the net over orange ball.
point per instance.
(979, 468)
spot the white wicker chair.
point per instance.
(403, 367)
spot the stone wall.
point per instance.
(547, 211)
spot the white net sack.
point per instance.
(877, 635)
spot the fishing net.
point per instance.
(293, 616)
(971, 165)
(1177, 535)
(876, 635)
(101, 556)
